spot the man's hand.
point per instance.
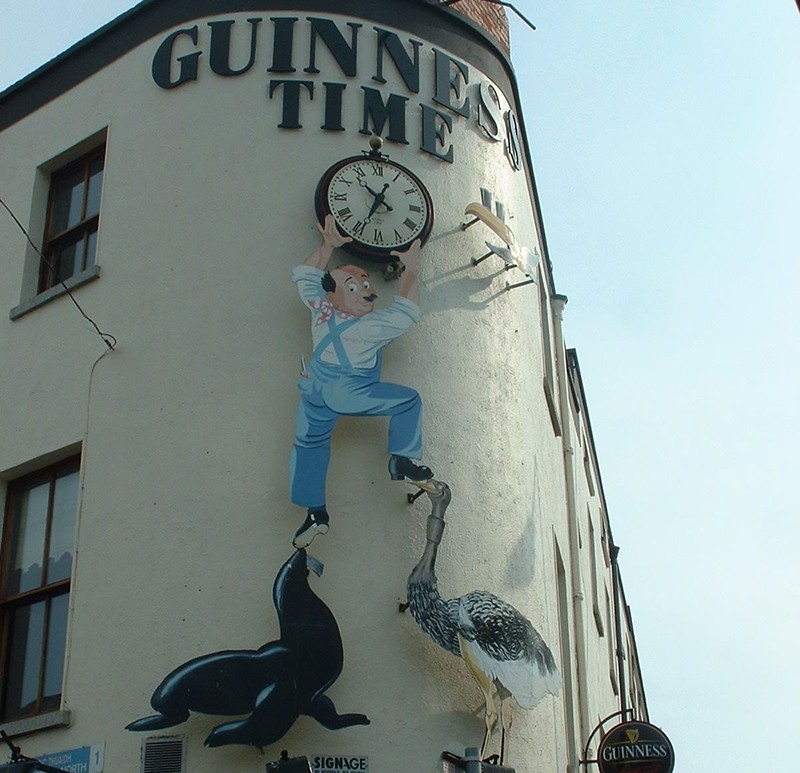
(411, 257)
(409, 287)
(330, 234)
(331, 238)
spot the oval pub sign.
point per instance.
(635, 747)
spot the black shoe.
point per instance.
(401, 467)
(316, 522)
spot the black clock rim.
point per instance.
(356, 247)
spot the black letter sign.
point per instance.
(162, 61)
(220, 61)
(291, 101)
(433, 135)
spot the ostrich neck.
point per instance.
(424, 570)
(437, 617)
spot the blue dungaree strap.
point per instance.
(334, 338)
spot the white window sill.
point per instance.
(27, 725)
(54, 292)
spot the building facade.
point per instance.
(161, 380)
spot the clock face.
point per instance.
(378, 203)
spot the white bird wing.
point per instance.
(506, 647)
(505, 253)
(530, 259)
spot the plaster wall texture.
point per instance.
(186, 426)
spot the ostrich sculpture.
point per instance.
(504, 653)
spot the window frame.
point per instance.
(548, 352)
(54, 243)
(47, 592)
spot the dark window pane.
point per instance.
(25, 652)
(69, 260)
(62, 528)
(95, 187)
(27, 547)
(68, 204)
(55, 650)
(91, 250)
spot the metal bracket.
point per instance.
(519, 284)
(586, 761)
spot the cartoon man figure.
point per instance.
(343, 377)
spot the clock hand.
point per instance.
(380, 198)
(364, 185)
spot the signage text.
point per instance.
(230, 50)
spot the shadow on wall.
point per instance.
(521, 565)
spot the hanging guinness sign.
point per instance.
(635, 747)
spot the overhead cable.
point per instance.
(504, 4)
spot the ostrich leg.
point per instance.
(490, 715)
(505, 720)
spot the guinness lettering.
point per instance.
(231, 49)
(634, 751)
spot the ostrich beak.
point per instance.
(428, 486)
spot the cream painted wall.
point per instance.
(185, 517)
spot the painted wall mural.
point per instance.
(274, 684)
(504, 653)
(362, 203)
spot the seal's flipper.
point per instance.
(323, 710)
(158, 721)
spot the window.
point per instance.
(73, 217)
(598, 617)
(612, 655)
(549, 381)
(38, 541)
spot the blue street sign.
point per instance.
(86, 759)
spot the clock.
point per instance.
(380, 204)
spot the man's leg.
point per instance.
(308, 466)
(403, 406)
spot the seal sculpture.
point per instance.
(274, 684)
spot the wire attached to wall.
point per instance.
(109, 340)
(505, 5)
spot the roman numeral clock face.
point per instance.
(380, 204)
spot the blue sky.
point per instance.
(664, 138)
(665, 145)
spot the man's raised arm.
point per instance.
(409, 285)
(331, 238)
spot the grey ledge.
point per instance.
(28, 725)
(54, 292)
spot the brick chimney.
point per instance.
(490, 16)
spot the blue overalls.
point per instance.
(331, 391)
